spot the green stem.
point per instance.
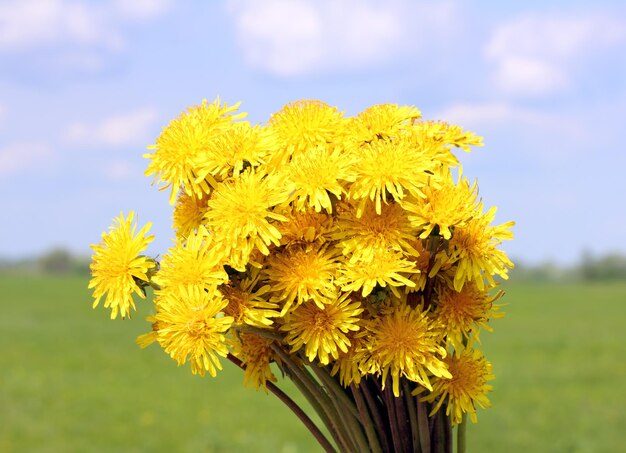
(392, 417)
(334, 415)
(411, 408)
(153, 285)
(439, 434)
(345, 406)
(403, 421)
(374, 402)
(422, 423)
(366, 420)
(460, 435)
(315, 402)
(297, 410)
(316, 396)
(317, 407)
(265, 333)
(447, 433)
(337, 390)
(351, 428)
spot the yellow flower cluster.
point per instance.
(353, 243)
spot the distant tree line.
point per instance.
(56, 261)
(609, 267)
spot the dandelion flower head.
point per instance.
(474, 249)
(190, 328)
(194, 261)
(322, 330)
(117, 265)
(255, 353)
(443, 207)
(188, 213)
(405, 342)
(465, 312)
(383, 121)
(241, 214)
(303, 273)
(467, 387)
(303, 125)
(182, 141)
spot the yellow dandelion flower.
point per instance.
(422, 263)
(388, 169)
(473, 247)
(316, 172)
(255, 353)
(304, 124)
(305, 226)
(444, 207)
(301, 273)
(426, 138)
(188, 213)
(195, 261)
(466, 389)
(256, 260)
(464, 313)
(383, 267)
(248, 305)
(117, 266)
(383, 121)
(322, 330)
(452, 135)
(390, 229)
(239, 146)
(190, 327)
(241, 214)
(147, 339)
(405, 342)
(349, 364)
(182, 141)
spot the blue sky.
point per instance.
(86, 86)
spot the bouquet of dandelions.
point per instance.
(340, 251)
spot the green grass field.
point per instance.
(72, 380)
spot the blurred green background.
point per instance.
(73, 380)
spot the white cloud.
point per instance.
(553, 135)
(538, 54)
(282, 38)
(126, 129)
(490, 114)
(66, 35)
(27, 24)
(141, 9)
(295, 37)
(582, 136)
(17, 156)
(530, 76)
